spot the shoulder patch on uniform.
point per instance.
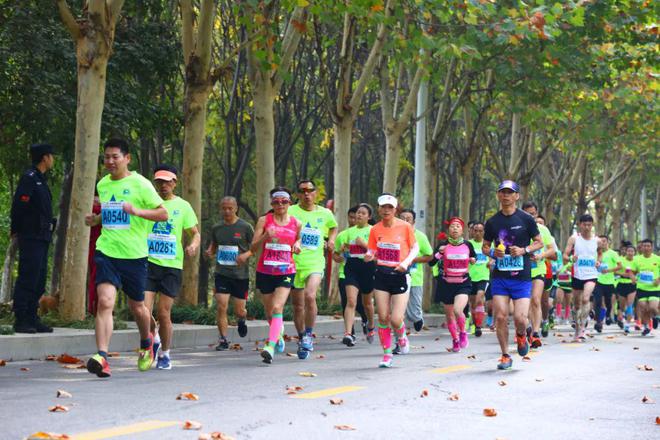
(25, 198)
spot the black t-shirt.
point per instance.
(517, 229)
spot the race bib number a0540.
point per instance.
(114, 217)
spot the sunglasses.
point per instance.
(279, 202)
(306, 190)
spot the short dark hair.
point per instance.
(166, 167)
(301, 181)
(470, 223)
(411, 211)
(367, 207)
(530, 204)
(353, 209)
(586, 218)
(477, 222)
(541, 217)
(625, 243)
(647, 240)
(117, 143)
(605, 237)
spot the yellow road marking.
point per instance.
(326, 393)
(135, 428)
(451, 369)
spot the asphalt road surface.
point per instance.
(593, 390)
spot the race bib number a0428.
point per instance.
(162, 247)
(510, 264)
(114, 217)
(226, 255)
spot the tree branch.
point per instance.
(114, 7)
(290, 43)
(204, 33)
(186, 29)
(68, 19)
(612, 180)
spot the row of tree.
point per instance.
(243, 95)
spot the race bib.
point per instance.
(226, 255)
(481, 258)
(310, 238)
(534, 263)
(603, 267)
(162, 246)
(586, 262)
(564, 277)
(645, 278)
(114, 217)
(356, 251)
(510, 264)
(276, 254)
(389, 253)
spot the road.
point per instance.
(592, 390)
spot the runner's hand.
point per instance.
(191, 250)
(360, 242)
(337, 258)
(90, 219)
(296, 247)
(129, 209)
(209, 253)
(473, 260)
(369, 257)
(516, 251)
(243, 258)
(330, 245)
(400, 268)
(499, 253)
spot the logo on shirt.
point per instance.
(126, 192)
(164, 228)
(516, 227)
(319, 220)
(237, 235)
(176, 212)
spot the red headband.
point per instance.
(455, 220)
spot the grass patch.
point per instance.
(53, 319)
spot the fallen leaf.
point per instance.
(321, 356)
(293, 389)
(425, 393)
(472, 356)
(610, 337)
(647, 399)
(437, 339)
(291, 355)
(236, 347)
(115, 354)
(490, 412)
(449, 349)
(635, 348)
(453, 397)
(306, 374)
(657, 420)
(594, 349)
(63, 394)
(501, 383)
(204, 436)
(51, 357)
(220, 436)
(559, 335)
(74, 366)
(58, 408)
(539, 379)
(67, 359)
(187, 396)
(425, 328)
(192, 425)
(48, 436)
(526, 358)
(344, 428)
(287, 338)
(645, 367)
(25, 369)
(3, 362)
(563, 341)
(336, 401)
(331, 337)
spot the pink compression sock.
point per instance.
(385, 336)
(276, 324)
(567, 312)
(479, 313)
(558, 308)
(451, 325)
(461, 323)
(401, 331)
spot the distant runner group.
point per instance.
(510, 265)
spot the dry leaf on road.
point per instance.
(539, 379)
(67, 359)
(526, 358)
(472, 356)
(63, 394)
(453, 397)
(321, 356)
(344, 428)
(501, 383)
(25, 369)
(58, 408)
(291, 355)
(113, 354)
(644, 367)
(74, 366)
(647, 399)
(425, 393)
(192, 425)
(216, 435)
(657, 420)
(490, 412)
(51, 357)
(635, 348)
(336, 401)
(187, 396)
(41, 435)
(594, 349)
(306, 374)
(236, 347)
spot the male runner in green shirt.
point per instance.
(608, 264)
(646, 267)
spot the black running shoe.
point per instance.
(242, 328)
(418, 325)
(599, 327)
(478, 332)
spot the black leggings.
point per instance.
(359, 307)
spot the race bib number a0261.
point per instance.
(161, 246)
(114, 217)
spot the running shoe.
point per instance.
(371, 335)
(242, 328)
(223, 344)
(267, 354)
(397, 349)
(619, 322)
(404, 345)
(505, 362)
(489, 321)
(307, 342)
(646, 331)
(348, 340)
(599, 327)
(463, 340)
(523, 345)
(98, 365)
(608, 321)
(302, 353)
(365, 330)
(146, 357)
(535, 341)
(280, 345)
(386, 362)
(626, 329)
(164, 363)
(638, 325)
(472, 329)
(655, 322)
(455, 346)
(478, 332)
(545, 329)
(417, 325)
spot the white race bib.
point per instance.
(114, 217)
(226, 255)
(162, 246)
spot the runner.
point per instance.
(128, 203)
(340, 258)
(454, 286)
(277, 234)
(230, 245)
(317, 223)
(414, 310)
(647, 272)
(609, 263)
(582, 248)
(564, 293)
(165, 261)
(549, 289)
(539, 269)
(512, 229)
(626, 287)
(479, 275)
(358, 275)
(392, 244)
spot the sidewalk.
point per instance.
(81, 342)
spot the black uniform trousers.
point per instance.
(31, 281)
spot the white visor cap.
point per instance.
(387, 199)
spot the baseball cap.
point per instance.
(387, 199)
(508, 184)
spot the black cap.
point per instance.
(39, 150)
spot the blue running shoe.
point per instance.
(307, 342)
(505, 362)
(302, 353)
(523, 345)
(164, 363)
(280, 346)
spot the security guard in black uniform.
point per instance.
(32, 223)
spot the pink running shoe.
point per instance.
(456, 346)
(463, 340)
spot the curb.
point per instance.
(20, 347)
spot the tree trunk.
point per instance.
(264, 131)
(60, 232)
(566, 219)
(392, 157)
(618, 207)
(7, 270)
(343, 136)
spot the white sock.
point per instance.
(157, 338)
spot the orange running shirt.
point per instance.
(391, 245)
